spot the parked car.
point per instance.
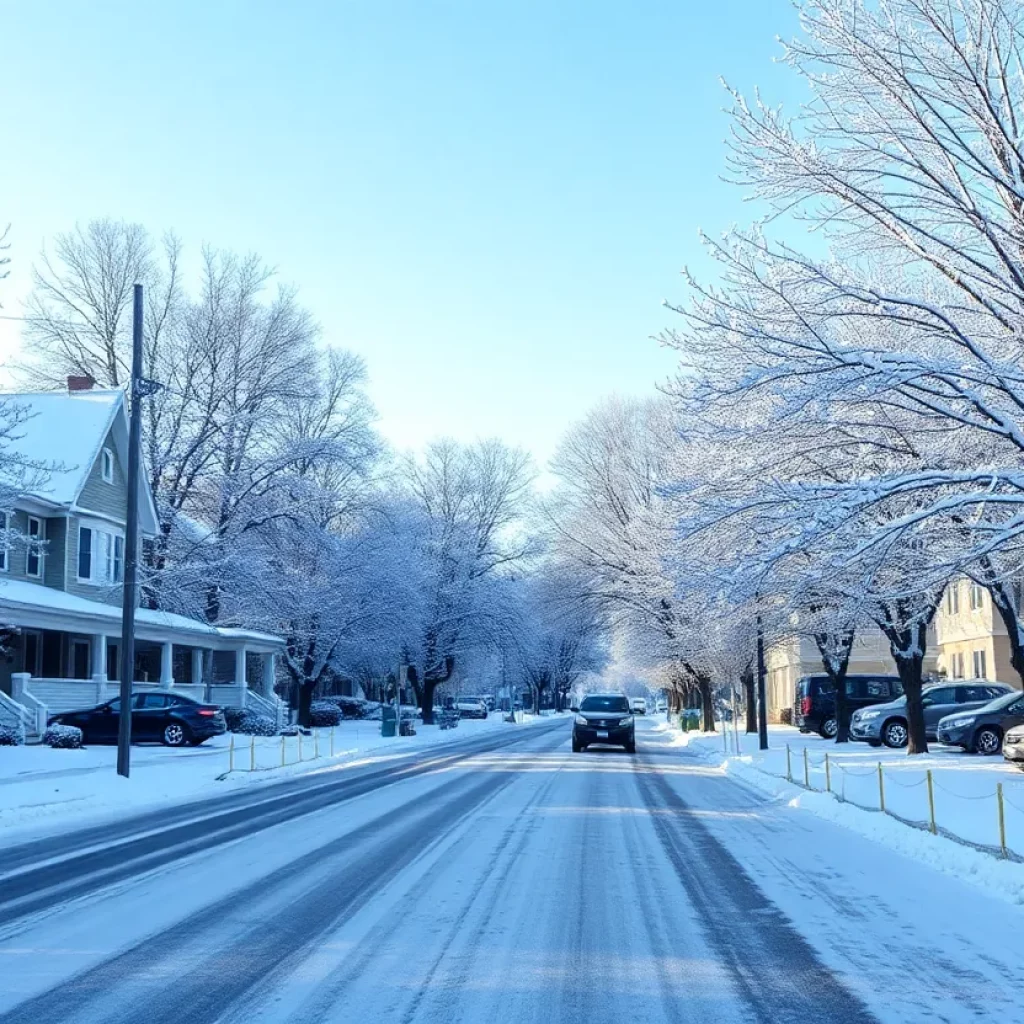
(887, 723)
(662, 707)
(1013, 746)
(471, 707)
(982, 731)
(638, 705)
(815, 706)
(490, 701)
(157, 716)
(604, 718)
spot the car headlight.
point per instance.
(1015, 736)
(865, 715)
(958, 723)
(580, 720)
(625, 723)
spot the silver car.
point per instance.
(887, 723)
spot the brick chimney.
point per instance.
(80, 383)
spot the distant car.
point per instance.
(471, 707)
(815, 706)
(638, 705)
(982, 731)
(604, 718)
(490, 701)
(157, 716)
(887, 723)
(662, 707)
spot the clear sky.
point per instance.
(487, 199)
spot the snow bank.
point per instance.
(44, 790)
(963, 787)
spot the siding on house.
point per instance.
(963, 630)
(100, 496)
(53, 555)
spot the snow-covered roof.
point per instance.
(66, 430)
(28, 604)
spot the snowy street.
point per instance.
(504, 879)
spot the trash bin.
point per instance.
(388, 721)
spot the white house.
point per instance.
(61, 592)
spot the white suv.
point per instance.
(638, 705)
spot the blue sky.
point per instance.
(488, 200)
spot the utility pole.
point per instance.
(131, 543)
(762, 694)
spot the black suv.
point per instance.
(815, 707)
(604, 718)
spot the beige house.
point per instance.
(970, 636)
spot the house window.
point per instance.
(958, 665)
(5, 525)
(976, 597)
(100, 556)
(979, 665)
(80, 659)
(107, 465)
(36, 536)
(32, 645)
(84, 553)
(953, 598)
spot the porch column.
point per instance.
(269, 674)
(98, 666)
(240, 674)
(167, 663)
(197, 666)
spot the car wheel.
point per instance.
(829, 728)
(988, 740)
(175, 735)
(894, 733)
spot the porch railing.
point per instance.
(17, 717)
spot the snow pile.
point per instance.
(967, 843)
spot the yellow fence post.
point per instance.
(931, 802)
(332, 741)
(300, 744)
(1002, 818)
(807, 771)
(252, 753)
(316, 743)
(789, 766)
(881, 789)
(231, 753)
(283, 739)
(828, 775)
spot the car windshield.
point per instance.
(604, 704)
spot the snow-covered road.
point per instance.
(517, 884)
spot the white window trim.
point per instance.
(100, 555)
(977, 597)
(107, 462)
(41, 554)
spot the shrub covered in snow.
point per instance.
(63, 737)
(351, 707)
(323, 714)
(11, 736)
(251, 723)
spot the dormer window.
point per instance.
(107, 465)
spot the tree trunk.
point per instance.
(750, 699)
(306, 688)
(706, 702)
(910, 675)
(426, 698)
(835, 659)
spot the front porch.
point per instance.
(60, 655)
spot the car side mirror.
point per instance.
(926, 702)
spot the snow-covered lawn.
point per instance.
(964, 789)
(43, 790)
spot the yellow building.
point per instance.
(972, 641)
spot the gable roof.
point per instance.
(68, 429)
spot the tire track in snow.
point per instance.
(267, 928)
(778, 973)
